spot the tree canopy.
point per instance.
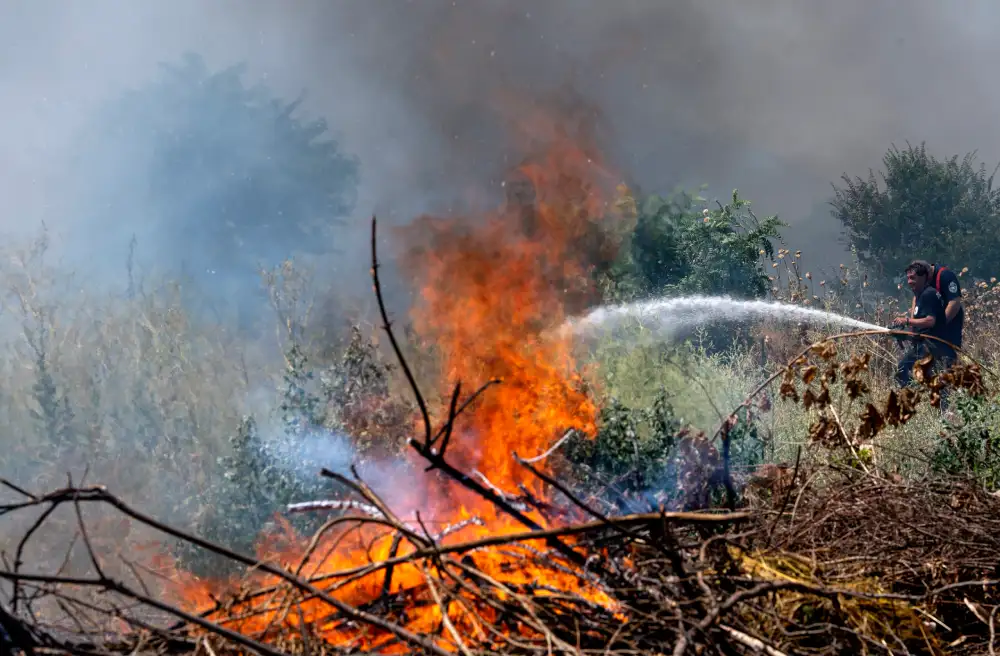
(920, 207)
(219, 175)
(679, 245)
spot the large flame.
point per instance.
(491, 289)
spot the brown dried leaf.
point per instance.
(809, 374)
(824, 350)
(824, 430)
(823, 399)
(908, 399)
(899, 409)
(872, 423)
(855, 387)
(922, 369)
(855, 365)
(965, 376)
(820, 400)
(787, 389)
(808, 398)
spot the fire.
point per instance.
(492, 289)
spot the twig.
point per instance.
(22, 543)
(309, 506)
(501, 503)
(551, 449)
(847, 441)
(387, 326)
(788, 495)
(115, 586)
(993, 630)
(444, 614)
(756, 644)
(101, 495)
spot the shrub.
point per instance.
(645, 457)
(329, 417)
(679, 245)
(972, 448)
(942, 210)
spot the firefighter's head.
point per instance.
(918, 275)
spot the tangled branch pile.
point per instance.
(821, 562)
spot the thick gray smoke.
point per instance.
(777, 98)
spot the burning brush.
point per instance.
(518, 564)
(680, 583)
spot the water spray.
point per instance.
(666, 317)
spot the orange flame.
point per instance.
(490, 292)
(491, 288)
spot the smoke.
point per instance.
(777, 98)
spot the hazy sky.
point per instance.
(776, 97)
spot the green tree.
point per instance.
(920, 207)
(681, 246)
(215, 173)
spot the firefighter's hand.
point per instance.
(899, 322)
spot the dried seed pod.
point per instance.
(787, 389)
(855, 387)
(820, 400)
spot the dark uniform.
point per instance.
(929, 303)
(948, 286)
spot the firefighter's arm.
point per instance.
(923, 323)
(951, 310)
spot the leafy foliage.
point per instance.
(647, 456)
(680, 246)
(945, 211)
(972, 449)
(359, 400)
(54, 417)
(344, 411)
(633, 447)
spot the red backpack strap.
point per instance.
(937, 279)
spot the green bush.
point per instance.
(633, 447)
(971, 449)
(941, 210)
(642, 457)
(343, 411)
(681, 246)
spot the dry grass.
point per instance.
(704, 385)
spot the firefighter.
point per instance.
(927, 317)
(949, 289)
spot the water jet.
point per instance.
(667, 318)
